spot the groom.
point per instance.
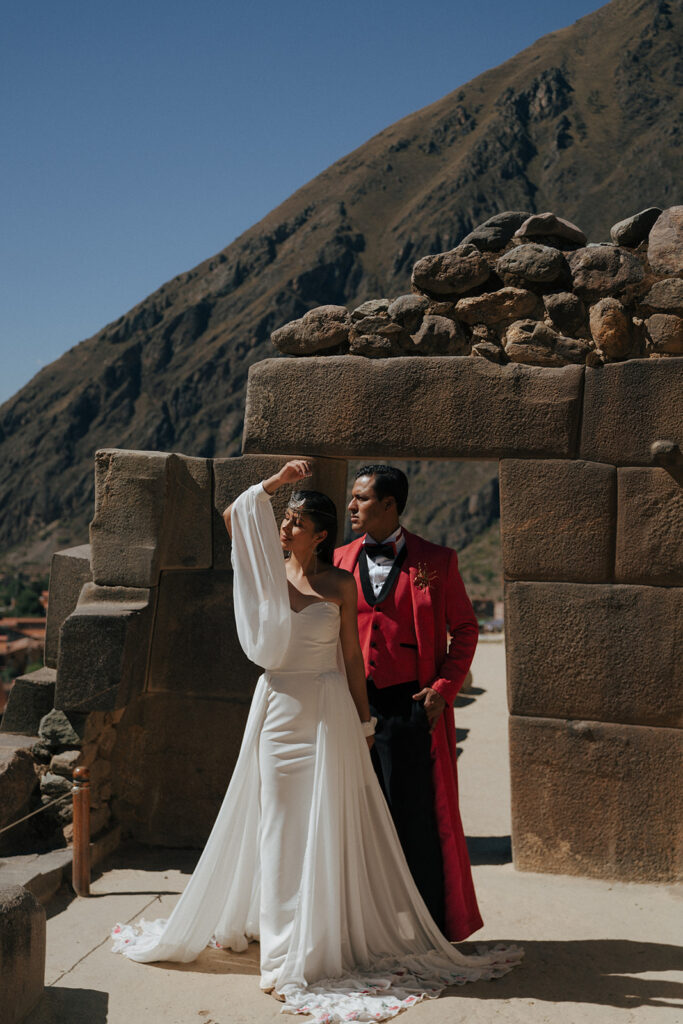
(410, 596)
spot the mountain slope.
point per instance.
(586, 122)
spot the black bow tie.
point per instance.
(374, 550)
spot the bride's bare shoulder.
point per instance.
(337, 582)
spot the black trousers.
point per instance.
(401, 757)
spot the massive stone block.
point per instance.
(557, 519)
(450, 407)
(650, 527)
(70, 569)
(30, 699)
(172, 762)
(104, 647)
(232, 476)
(628, 406)
(22, 953)
(595, 799)
(610, 653)
(195, 650)
(152, 512)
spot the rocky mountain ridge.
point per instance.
(586, 122)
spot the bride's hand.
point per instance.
(296, 469)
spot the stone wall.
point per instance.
(522, 288)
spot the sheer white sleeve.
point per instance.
(261, 598)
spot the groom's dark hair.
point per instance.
(389, 482)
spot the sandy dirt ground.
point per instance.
(596, 952)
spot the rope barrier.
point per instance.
(65, 796)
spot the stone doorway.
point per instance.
(140, 629)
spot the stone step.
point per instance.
(30, 699)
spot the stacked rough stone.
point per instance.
(525, 289)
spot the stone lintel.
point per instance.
(597, 799)
(630, 405)
(610, 652)
(557, 519)
(436, 407)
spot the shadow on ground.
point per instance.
(70, 1006)
(596, 971)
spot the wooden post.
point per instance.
(80, 878)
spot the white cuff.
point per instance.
(369, 727)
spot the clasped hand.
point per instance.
(434, 705)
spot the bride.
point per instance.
(304, 856)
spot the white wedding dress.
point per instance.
(304, 856)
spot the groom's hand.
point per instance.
(434, 705)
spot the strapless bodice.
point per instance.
(313, 639)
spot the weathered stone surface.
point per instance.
(377, 336)
(338, 404)
(196, 650)
(557, 519)
(627, 406)
(322, 328)
(61, 732)
(31, 697)
(70, 569)
(63, 764)
(549, 226)
(607, 270)
(173, 760)
(408, 310)
(502, 306)
(567, 314)
(232, 476)
(22, 953)
(533, 265)
(447, 309)
(665, 333)
(451, 273)
(103, 648)
(373, 346)
(612, 329)
(608, 652)
(369, 308)
(596, 799)
(665, 243)
(18, 781)
(634, 230)
(152, 512)
(535, 343)
(440, 336)
(53, 786)
(489, 350)
(650, 527)
(665, 297)
(496, 232)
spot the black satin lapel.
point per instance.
(368, 592)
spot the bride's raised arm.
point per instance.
(296, 469)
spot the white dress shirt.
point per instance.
(380, 567)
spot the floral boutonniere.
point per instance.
(423, 577)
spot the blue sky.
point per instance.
(141, 137)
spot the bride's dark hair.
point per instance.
(323, 512)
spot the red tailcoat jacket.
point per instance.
(439, 604)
